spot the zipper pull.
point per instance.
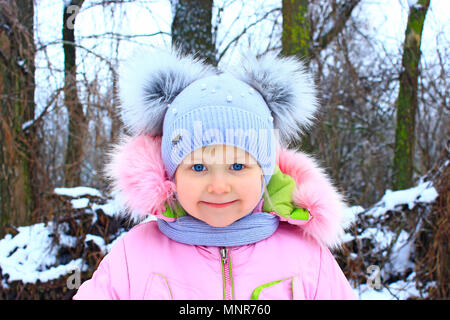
(224, 254)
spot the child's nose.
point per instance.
(219, 185)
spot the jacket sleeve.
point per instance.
(332, 283)
(110, 281)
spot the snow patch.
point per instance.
(31, 255)
(80, 203)
(78, 192)
(111, 208)
(424, 193)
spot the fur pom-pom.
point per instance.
(149, 84)
(287, 88)
(138, 176)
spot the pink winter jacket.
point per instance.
(294, 263)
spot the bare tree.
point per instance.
(17, 51)
(77, 120)
(192, 28)
(407, 97)
(433, 113)
(299, 38)
(303, 35)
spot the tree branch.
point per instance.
(340, 14)
(245, 30)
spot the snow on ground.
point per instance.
(78, 192)
(30, 256)
(400, 258)
(423, 193)
(400, 290)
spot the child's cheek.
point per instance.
(250, 189)
(187, 190)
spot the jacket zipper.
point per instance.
(226, 274)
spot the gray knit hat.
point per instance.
(192, 105)
(214, 110)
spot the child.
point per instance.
(238, 215)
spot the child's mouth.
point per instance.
(218, 205)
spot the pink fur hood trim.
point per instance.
(141, 185)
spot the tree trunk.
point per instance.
(17, 51)
(192, 28)
(116, 124)
(297, 39)
(77, 122)
(407, 98)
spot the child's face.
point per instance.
(218, 184)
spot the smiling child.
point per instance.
(238, 215)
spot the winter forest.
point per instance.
(382, 133)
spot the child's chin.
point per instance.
(219, 223)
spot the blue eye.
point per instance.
(198, 167)
(237, 166)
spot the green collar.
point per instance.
(280, 189)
